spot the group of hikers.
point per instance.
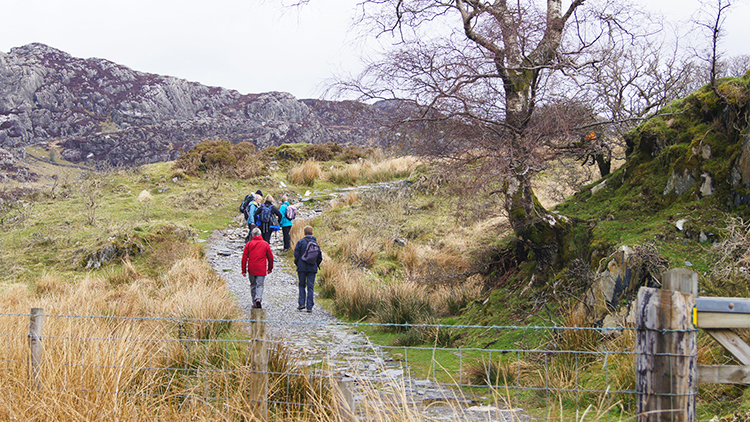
(263, 218)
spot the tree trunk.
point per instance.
(537, 230)
(604, 162)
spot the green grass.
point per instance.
(56, 233)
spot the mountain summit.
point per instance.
(94, 112)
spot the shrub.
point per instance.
(290, 152)
(221, 155)
(248, 168)
(243, 150)
(267, 154)
(354, 153)
(322, 152)
(216, 154)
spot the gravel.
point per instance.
(314, 336)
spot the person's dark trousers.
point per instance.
(267, 235)
(287, 238)
(306, 289)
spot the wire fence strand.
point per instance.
(200, 363)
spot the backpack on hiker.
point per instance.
(311, 254)
(291, 212)
(266, 213)
(244, 207)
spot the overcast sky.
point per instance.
(247, 45)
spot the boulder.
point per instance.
(614, 286)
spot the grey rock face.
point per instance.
(680, 183)
(100, 112)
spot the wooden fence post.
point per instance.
(681, 280)
(666, 351)
(258, 364)
(35, 343)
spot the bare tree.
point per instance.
(735, 66)
(91, 192)
(710, 18)
(631, 81)
(480, 76)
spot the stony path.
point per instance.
(316, 337)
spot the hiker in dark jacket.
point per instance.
(265, 226)
(306, 271)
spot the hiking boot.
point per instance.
(299, 308)
(257, 304)
(309, 311)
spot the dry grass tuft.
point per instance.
(348, 200)
(410, 258)
(448, 300)
(360, 252)
(355, 297)
(501, 371)
(377, 169)
(297, 231)
(403, 303)
(393, 168)
(50, 285)
(733, 251)
(348, 175)
(305, 174)
(331, 272)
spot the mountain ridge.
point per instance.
(98, 113)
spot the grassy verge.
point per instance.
(391, 257)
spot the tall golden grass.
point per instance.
(305, 174)
(141, 349)
(374, 170)
(132, 349)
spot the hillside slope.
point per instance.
(687, 174)
(96, 112)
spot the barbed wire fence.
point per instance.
(203, 363)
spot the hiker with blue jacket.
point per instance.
(269, 217)
(307, 258)
(286, 222)
(255, 199)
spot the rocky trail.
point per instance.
(318, 337)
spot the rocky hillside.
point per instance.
(95, 112)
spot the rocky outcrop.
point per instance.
(626, 271)
(100, 113)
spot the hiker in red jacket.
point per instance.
(257, 262)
